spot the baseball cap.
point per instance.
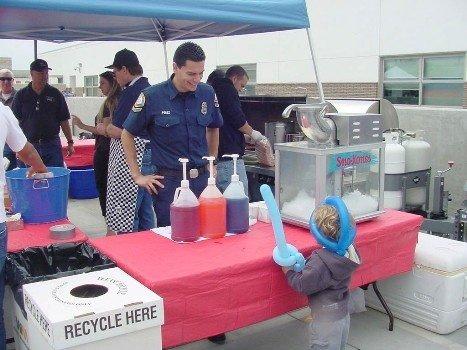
(125, 58)
(39, 65)
(6, 73)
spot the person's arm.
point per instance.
(65, 125)
(114, 131)
(97, 130)
(16, 140)
(29, 156)
(136, 122)
(311, 279)
(212, 137)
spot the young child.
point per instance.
(325, 280)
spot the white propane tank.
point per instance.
(417, 157)
(394, 163)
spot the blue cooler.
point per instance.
(39, 200)
(83, 184)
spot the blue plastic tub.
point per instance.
(39, 201)
(83, 184)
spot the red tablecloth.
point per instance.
(220, 285)
(37, 235)
(83, 156)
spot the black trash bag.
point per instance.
(54, 261)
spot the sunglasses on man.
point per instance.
(6, 79)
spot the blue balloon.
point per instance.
(347, 228)
(283, 254)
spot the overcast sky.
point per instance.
(22, 51)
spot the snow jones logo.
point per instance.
(343, 160)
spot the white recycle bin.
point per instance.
(101, 310)
(434, 294)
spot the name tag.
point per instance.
(165, 112)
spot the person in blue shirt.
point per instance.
(232, 134)
(128, 207)
(182, 118)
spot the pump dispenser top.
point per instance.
(237, 202)
(184, 211)
(212, 207)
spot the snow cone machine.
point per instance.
(343, 155)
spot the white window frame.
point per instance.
(93, 87)
(421, 79)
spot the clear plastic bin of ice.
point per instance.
(300, 207)
(360, 204)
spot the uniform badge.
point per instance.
(216, 102)
(139, 104)
(204, 107)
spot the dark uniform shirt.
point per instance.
(176, 123)
(40, 115)
(231, 140)
(126, 101)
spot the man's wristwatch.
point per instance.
(70, 142)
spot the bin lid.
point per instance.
(88, 307)
(440, 253)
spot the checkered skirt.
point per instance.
(121, 189)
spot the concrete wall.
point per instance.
(446, 131)
(349, 37)
(84, 107)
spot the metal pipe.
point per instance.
(35, 49)
(315, 66)
(164, 46)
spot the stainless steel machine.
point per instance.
(344, 156)
(438, 223)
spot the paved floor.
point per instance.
(368, 330)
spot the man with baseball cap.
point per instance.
(42, 111)
(7, 93)
(128, 207)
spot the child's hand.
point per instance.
(286, 268)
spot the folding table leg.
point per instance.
(385, 306)
(383, 302)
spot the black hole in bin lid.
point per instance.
(89, 291)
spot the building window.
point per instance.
(424, 80)
(91, 85)
(251, 71)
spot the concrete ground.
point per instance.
(368, 330)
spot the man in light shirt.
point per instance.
(11, 134)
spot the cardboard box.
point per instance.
(102, 310)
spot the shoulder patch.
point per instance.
(139, 104)
(216, 102)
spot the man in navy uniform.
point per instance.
(42, 110)
(182, 118)
(232, 133)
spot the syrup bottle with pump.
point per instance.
(185, 211)
(237, 202)
(213, 208)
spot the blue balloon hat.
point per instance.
(348, 229)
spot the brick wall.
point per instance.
(5, 62)
(331, 90)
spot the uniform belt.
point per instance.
(226, 159)
(44, 140)
(192, 173)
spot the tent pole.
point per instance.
(315, 66)
(164, 45)
(35, 49)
